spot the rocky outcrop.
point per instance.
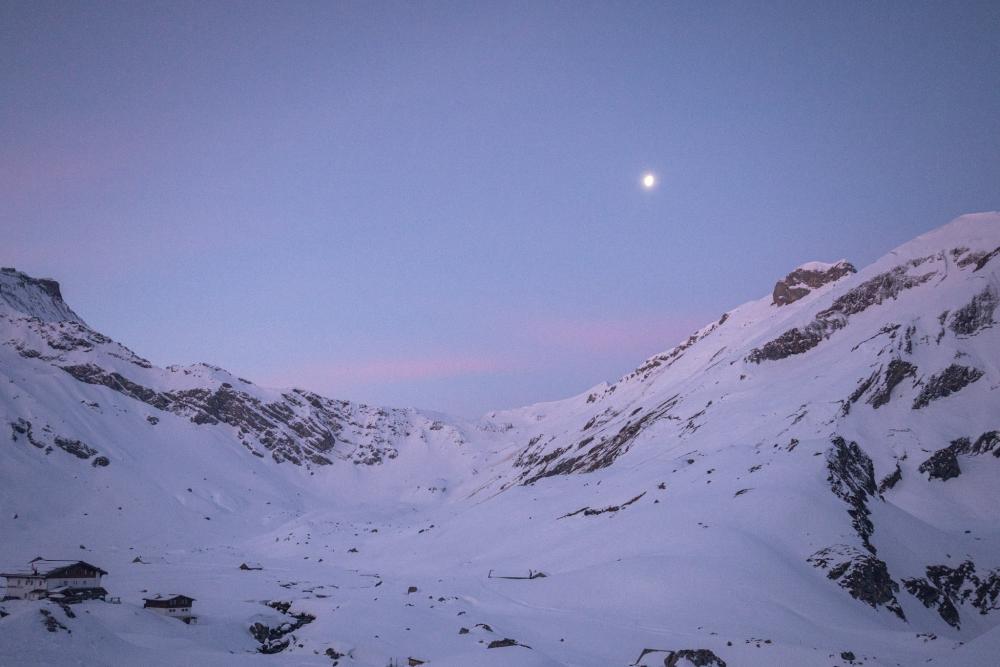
(852, 479)
(74, 447)
(664, 361)
(687, 657)
(598, 451)
(943, 464)
(895, 372)
(697, 657)
(988, 442)
(975, 315)
(945, 383)
(39, 298)
(805, 279)
(48, 442)
(870, 293)
(861, 574)
(891, 480)
(986, 257)
(302, 428)
(277, 639)
(947, 588)
(590, 511)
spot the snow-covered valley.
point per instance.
(811, 479)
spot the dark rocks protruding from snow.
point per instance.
(975, 315)
(861, 574)
(895, 372)
(932, 598)
(698, 657)
(984, 260)
(946, 588)
(595, 456)
(590, 511)
(302, 427)
(74, 447)
(870, 293)
(852, 479)
(23, 427)
(805, 279)
(988, 442)
(273, 640)
(946, 383)
(943, 465)
(687, 657)
(890, 480)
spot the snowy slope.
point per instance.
(810, 477)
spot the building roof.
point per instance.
(45, 568)
(168, 598)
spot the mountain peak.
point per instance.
(35, 297)
(808, 277)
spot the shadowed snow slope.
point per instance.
(808, 480)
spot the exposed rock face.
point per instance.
(273, 640)
(932, 598)
(943, 465)
(946, 588)
(985, 259)
(852, 479)
(48, 442)
(895, 372)
(945, 383)
(300, 428)
(891, 480)
(699, 657)
(597, 454)
(986, 443)
(669, 358)
(863, 575)
(74, 447)
(805, 279)
(870, 293)
(975, 315)
(687, 657)
(37, 297)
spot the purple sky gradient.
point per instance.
(438, 204)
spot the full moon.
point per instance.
(648, 180)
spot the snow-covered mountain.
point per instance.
(808, 480)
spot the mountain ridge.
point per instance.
(819, 472)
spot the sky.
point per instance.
(438, 204)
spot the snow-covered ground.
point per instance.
(738, 493)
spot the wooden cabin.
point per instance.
(172, 605)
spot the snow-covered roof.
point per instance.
(42, 567)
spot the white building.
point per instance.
(44, 577)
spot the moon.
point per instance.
(649, 180)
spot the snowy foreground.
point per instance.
(809, 480)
